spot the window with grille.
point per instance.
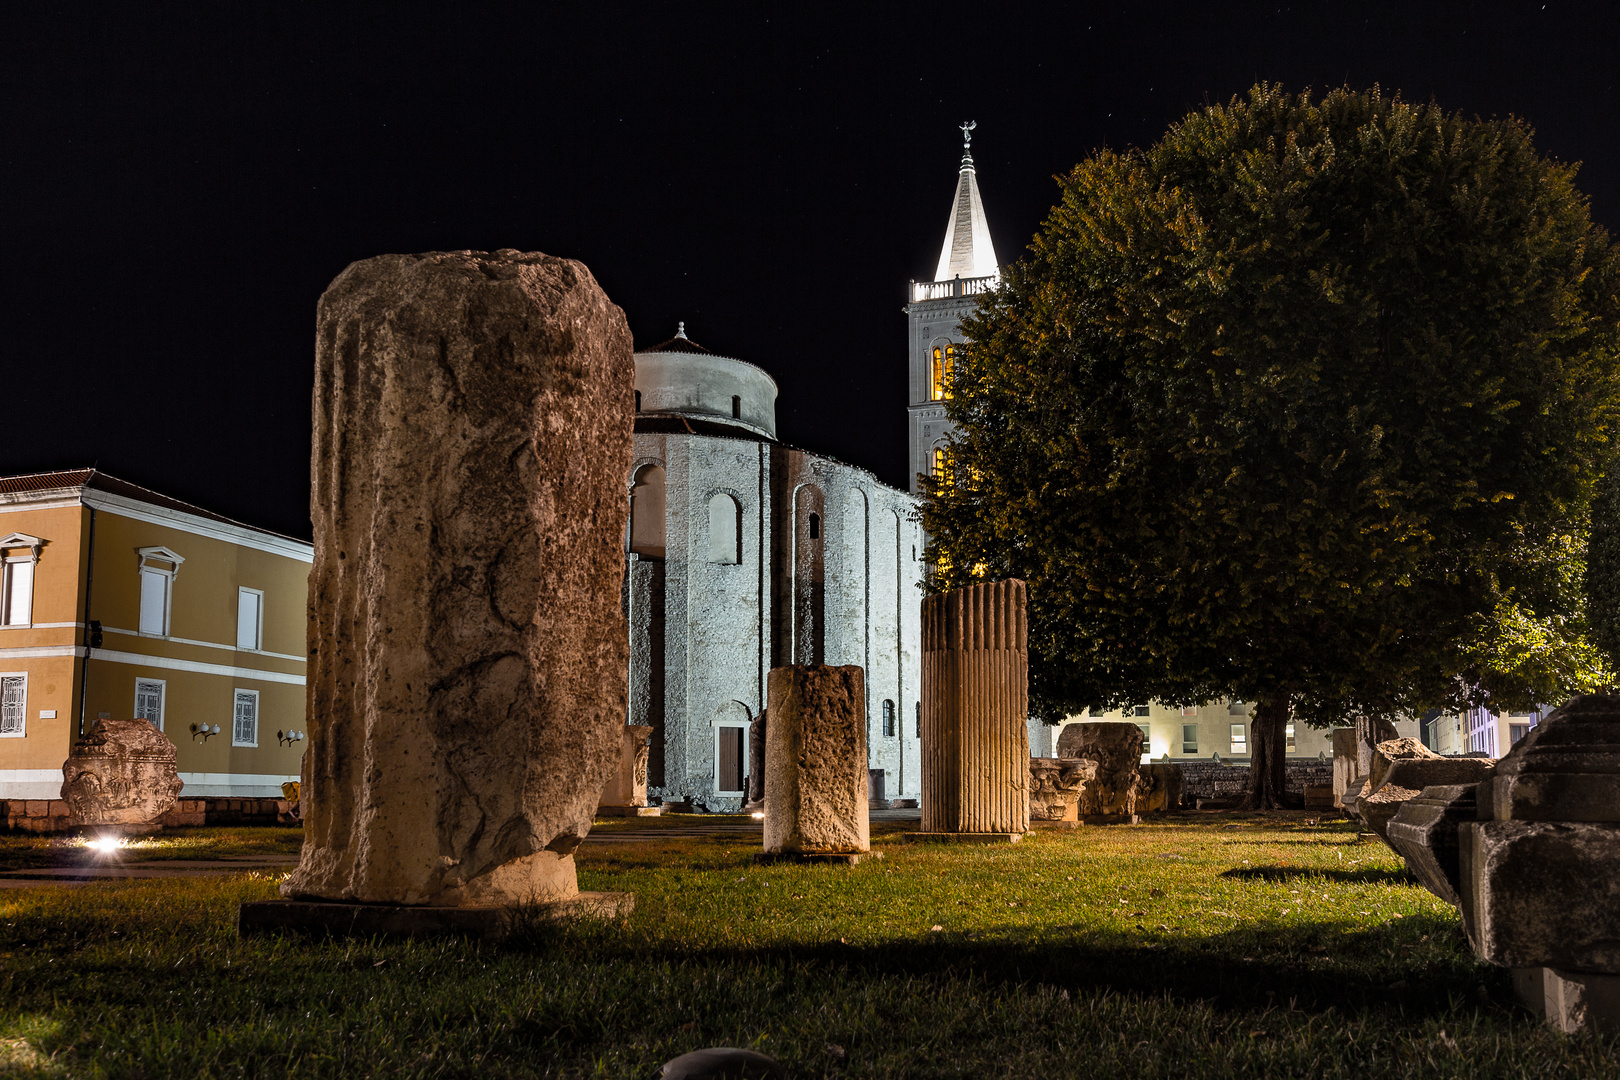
(888, 718)
(942, 465)
(1240, 739)
(1189, 738)
(149, 701)
(14, 705)
(245, 724)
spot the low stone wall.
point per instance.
(1207, 780)
(51, 815)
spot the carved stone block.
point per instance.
(123, 775)
(1055, 785)
(1424, 832)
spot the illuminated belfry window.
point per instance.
(942, 465)
(944, 365)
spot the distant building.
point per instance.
(1479, 731)
(745, 554)
(121, 602)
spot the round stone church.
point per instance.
(746, 554)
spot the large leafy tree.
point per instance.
(1300, 406)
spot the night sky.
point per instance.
(180, 183)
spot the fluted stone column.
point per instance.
(815, 764)
(975, 701)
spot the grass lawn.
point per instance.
(1209, 945)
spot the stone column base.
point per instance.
(331, 918)
(967, 837)
(823, 858)
(1571, 1001)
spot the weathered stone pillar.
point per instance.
(975, 701)
(467, 646)
(815, 764)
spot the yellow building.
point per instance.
(116, 601)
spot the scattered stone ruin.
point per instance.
(1401, 769)
(815, 764)
(626, 792)
(975, 701)
(122, 778)
(468, 648)
(1113, 795)
(1055, 785)
(1531, 856)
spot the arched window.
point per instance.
(888, 719)
(815, 526)
(942, 465)
(944, 368)
(725, 530)
(647, 512)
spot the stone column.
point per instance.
(975, 701)
(467, 646)
(815, 764)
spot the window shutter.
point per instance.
(19, 585)
(247, 619)
(154, 602)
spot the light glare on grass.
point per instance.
(104, 844)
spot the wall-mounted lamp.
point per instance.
(203, 731)
(289, 737)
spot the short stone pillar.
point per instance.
(815, 765)
(1344, 763)
(468, 651)
(121, 779)
(626, 792)
(1540, 868)
(1163, 781)
(975, 707)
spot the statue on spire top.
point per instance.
(967, 132)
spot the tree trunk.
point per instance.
(1268, 733)
(1370, 731)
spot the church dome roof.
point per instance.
(708, 393)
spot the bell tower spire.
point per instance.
(968, 252)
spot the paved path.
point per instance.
(144, 869)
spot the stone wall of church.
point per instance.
(770, 556)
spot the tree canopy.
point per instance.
(1301, 405)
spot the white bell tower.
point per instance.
(967, 267)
